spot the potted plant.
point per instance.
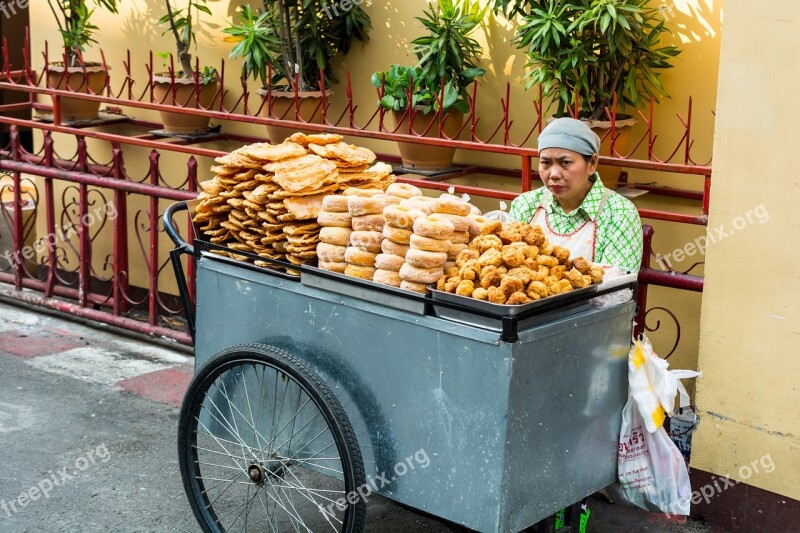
(186, 87)
(73, 73)
(584, 52)
(289, 46)
(434, 91)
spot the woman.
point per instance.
(573, 208)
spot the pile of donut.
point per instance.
(513, 263)
(396, 236)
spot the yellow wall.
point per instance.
(750, 322)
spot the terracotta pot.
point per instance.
(79, 80)
(610, 174)
(185, 96)
(424, 156)
(283, 107)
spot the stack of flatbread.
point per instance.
(265, 198)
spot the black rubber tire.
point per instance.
(309, 382)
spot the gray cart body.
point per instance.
(512, 431)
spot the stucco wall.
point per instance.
(750, 323)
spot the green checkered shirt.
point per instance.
(619, 230)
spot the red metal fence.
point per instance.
(64, 277)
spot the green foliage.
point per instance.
(180, 22)
(590, 49)
(72, 17)
(446, 61)
(295, 36)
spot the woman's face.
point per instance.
(566, 174)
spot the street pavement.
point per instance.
(88, 423)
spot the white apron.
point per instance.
(581, 242)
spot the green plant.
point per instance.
(445, 61)
(181, 24)
(295, 38)
(72, 17)
(585, 51)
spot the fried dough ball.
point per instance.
(514, 254)
(540, 272)
(518, 298)
(510, 284)
(524, 273)
(465, 288)
(491, 257)
(582, 265)
(510, 234)
(546, 248)
(546, 260)
(466, 255)
(480, 294)
(502, 270)
(490, 277)
(492, 227)
(578, 280)
(597, 272)
(470, 270)
(561, 253)
(440, 283)
(532, 234)
(452, 283)
(451, 271)
(565, 285)
(481, 243)
(558, 271)
(496, 296)
(537, 290)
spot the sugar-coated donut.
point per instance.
(426, 206)
(431, 245)
(476, 223)
(416, 287)
(326, 218)
(398, 235)
(368, 223)
(459, 223)
(330, 253)
(451, 206)
(460, 237)
(387, 277)
(369, 241)
(401, 216)
(420, 275)
(389, 262)
(394, 248)
(389, 199)
(434, 227)
(333, 266)
(425, 259)
(355, 256)
(455, 250)
(357, 271)
(355, 191)
(365, 205)
(403, 190)
(334, 203)
(335, 235)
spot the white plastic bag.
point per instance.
(499, 214)
(652, 473)
(653, 386)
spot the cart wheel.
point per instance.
(264, 445)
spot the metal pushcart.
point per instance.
(314, 392)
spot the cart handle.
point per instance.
(181, 247)
(172, 230)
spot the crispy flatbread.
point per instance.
(350, 153)
(304, 139)
(296, 163)
(303, 179)
(304, 207)
(273, 152)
